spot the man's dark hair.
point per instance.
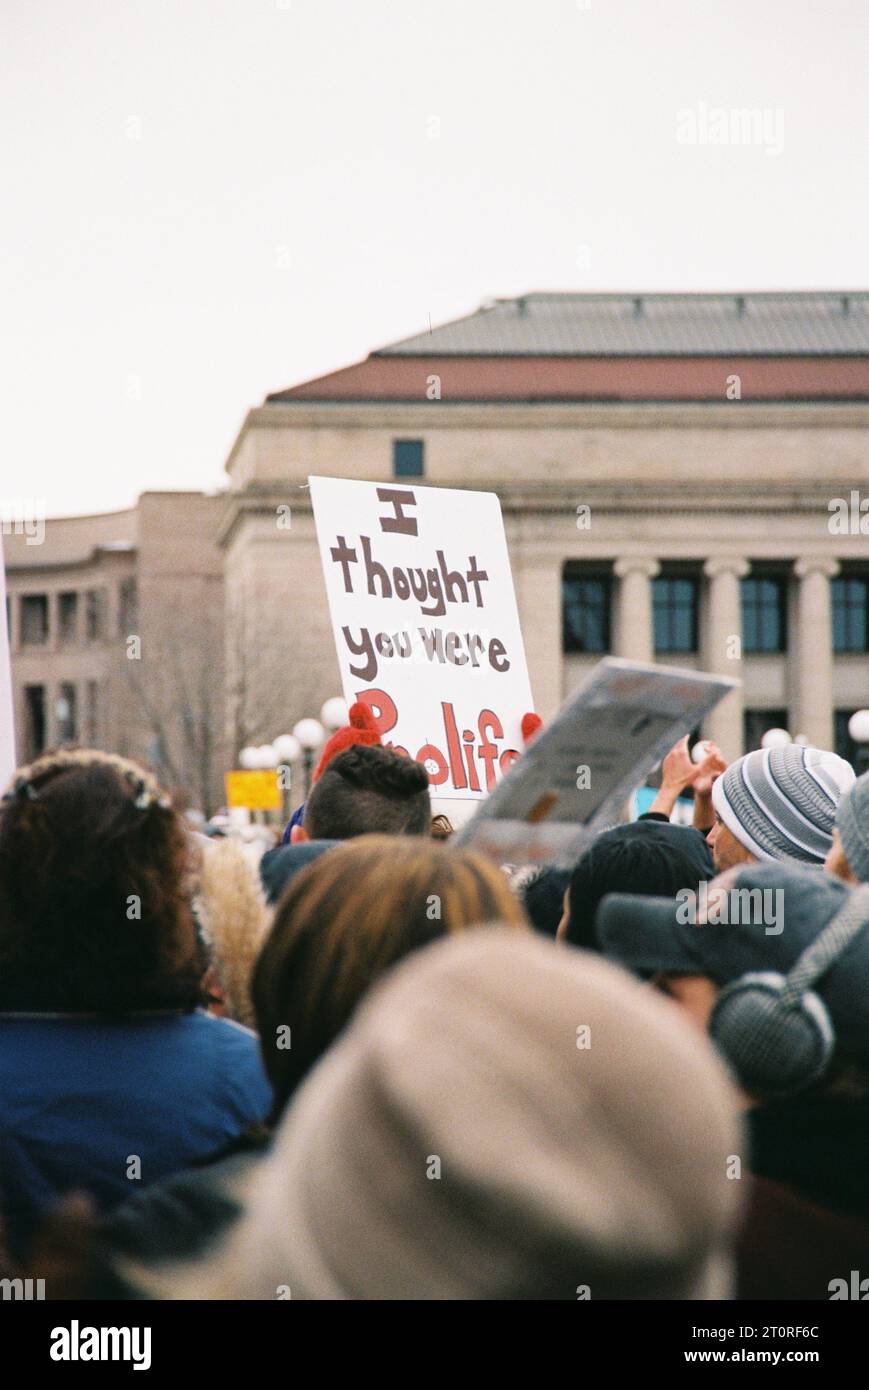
(369, 790)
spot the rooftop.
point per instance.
(643, 325)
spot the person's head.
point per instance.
(95, 913)
(543, 894)
(848, 858)
(368, 790)
(442, 827)
(278, 867)
(344, 920)
(724, 958)
(647, 856)
(777, 804)
(464, 1141)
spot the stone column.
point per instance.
(635, 636)
(812, 651)
(538, 596)
(722, 648)
(14, 622)
(53, 621)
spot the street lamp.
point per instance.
(334, 713)
(311, 736)
(858, 728)
(287, 747)
(775, 738)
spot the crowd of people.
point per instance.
(379, 1065)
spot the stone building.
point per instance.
(116, 633)
(680, 477)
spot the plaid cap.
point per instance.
(651, 936)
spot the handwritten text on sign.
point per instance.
(425, 623)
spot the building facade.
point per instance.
(683, 478)
(116, 632)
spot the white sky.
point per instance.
(283, 210)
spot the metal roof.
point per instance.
(826, 323)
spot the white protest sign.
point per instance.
(580, 770)
(425, 622)
(7, 729)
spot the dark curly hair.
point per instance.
(369, 789)
(95, 913)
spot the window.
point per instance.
(94, 603)
(34, 721)
(763, 614)
(755, 723)
(585, 613)
(34, 619)
(68, 616)
(850, 596)
(128, 608)
(66, 711)
(408, 458)
(674, 600)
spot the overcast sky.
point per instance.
(207, 200)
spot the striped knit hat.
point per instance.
(780, 803)
(852, 823)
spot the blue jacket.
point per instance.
(105, 1107)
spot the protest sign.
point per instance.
(252, 791)
(426, 626)
(581, 769)
(7, 728)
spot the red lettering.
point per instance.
(454, 748)
(382, 707)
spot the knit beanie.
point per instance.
(361, 728)
(780, 803)
(647, 856)
(503, 1119)
(852, 823)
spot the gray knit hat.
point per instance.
(852, 823)
(780, 803)
(503, 1118)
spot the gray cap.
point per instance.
(852, 823)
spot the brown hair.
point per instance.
(95, 916)
(344, 920)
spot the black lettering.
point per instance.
(432, 641)
(375, 571)
(344, 556)
(434, 588)
(452, 579)
(362, 648)
(497, 650)
(398, 498)
(475, 577)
